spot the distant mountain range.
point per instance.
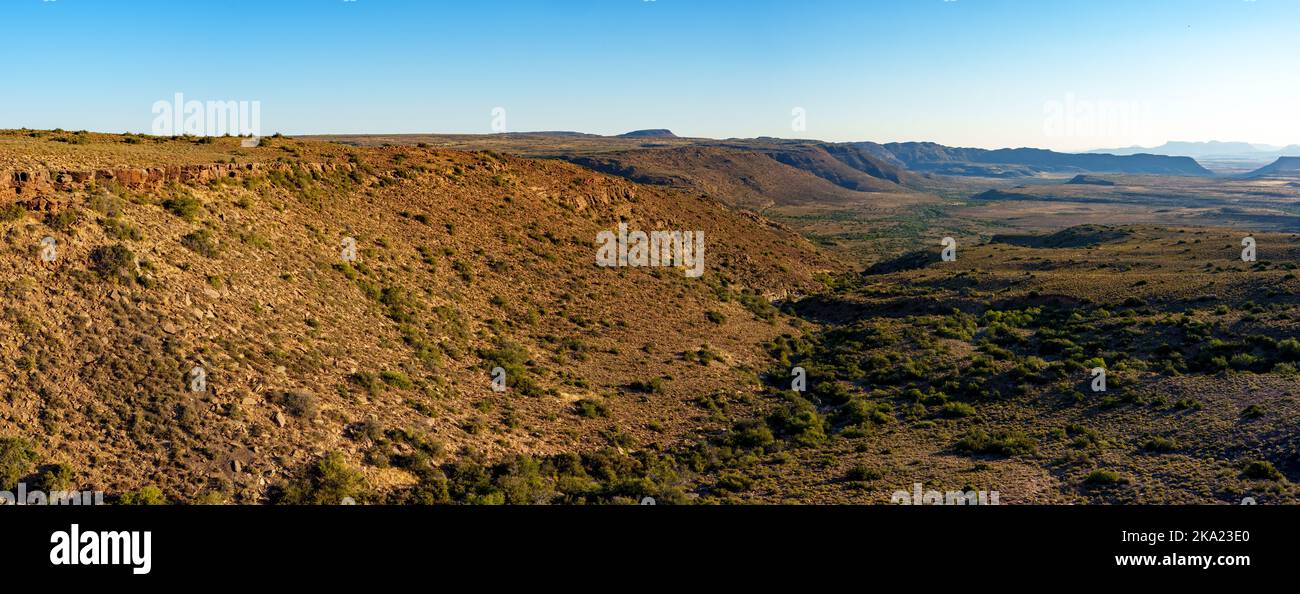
(1213, 150)
(929, 157)
(744, 168)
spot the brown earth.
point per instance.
(230, 260)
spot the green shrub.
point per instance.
(121, 230)
(749, 435)
(734, 481)
(201, 242)
(147, 495)
(758, 305)
(1159, 444)
(1084, 437)
(591, 408)
(17, 456)
(367, 381)
(514, 359)
(799, 422)
(652, 386)
(1000, 443)
(860, 411)
(1262, 470)
(397, 379)
(1103, 477)
(298, 404)
(63, 220)
(112, 262)
(55, 477)
(12, 212)
(185, 207)
(957, 410)
(327, 482)
(863, 473)
(1188, 404)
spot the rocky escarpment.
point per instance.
(39, 189)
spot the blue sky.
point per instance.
(1065, 74)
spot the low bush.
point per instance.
(329, 481)
(1262, 470)
(17, 457)
(148, 495)
(1000, 443)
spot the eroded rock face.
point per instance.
(598, 192)
(38, 189)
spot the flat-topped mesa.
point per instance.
(39, 189)
(1282, 167)
(655, 133)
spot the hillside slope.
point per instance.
(230, 260)
(746, 178)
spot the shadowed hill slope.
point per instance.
(1283, 167)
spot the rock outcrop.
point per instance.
(39, 189)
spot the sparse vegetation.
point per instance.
(147, 495)
(113, 261)
(202, 242)
(1000, 443)
(184, 206)
(330, 481)
(17, 458)
(989, 357)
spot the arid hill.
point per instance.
(177, 254)
(750, 179)
(758, 173)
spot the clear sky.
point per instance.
(1065, 74)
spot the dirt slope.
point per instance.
(176, 254)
